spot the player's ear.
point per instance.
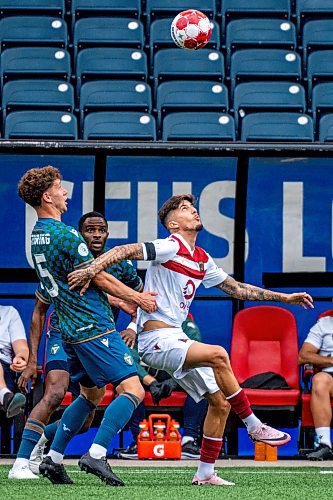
(173, 224)
(46, 197)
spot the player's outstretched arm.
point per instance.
(35, 334)
(244, 291)
(132, 251)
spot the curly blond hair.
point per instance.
(35, 182)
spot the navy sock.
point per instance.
(71, 422)
(115, 418)
(51, 429)
(32, 432)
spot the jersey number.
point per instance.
(45, 273)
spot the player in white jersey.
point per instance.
(178, 267)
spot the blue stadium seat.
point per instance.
(40, 125)
(34, 62)
(120, 63)
(205, 126)
(319, 68)
(259, 33)
(190, 95)
(232, 9)
(108, 31)
(37, 94)
(33, 31)
(119, 125)
(170, 8)
(326, 128)
(115, 94)
(182, 64)
(317, 35)
(35, 7)
(262, 64)
(285, 127)
(321, 101)
(160, 37)
(267, 96)
(310, 9)
(93, 8)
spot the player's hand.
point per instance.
(302, 299)
(29, 373)
(80, 277)
(128, 307)
(18, 364)
(129, 337)
(155, 391)
(147, 301)
(167, 387)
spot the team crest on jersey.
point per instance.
(201, 266)
(83, 250)
(128, 359)
(55, 348)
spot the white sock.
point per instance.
(251, 422)
(42, 440)
(324, 435)
(97, 451)
(2, 393)
(205, 470)
(56, 457)
(20, 462)
(187, 439)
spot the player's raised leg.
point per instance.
(217, 358)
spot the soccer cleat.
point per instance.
(13, 403)
(213, 480)
(191, 450)
(22, 472)
(323, 452)
(130, 453)
(36, 458)
(56, 473)
(101, 469)
(266, 434)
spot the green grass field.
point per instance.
(169, 483)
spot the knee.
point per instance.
(54, 396)
(219, 357)
(321, 384)
(133, 387)
(218, 402)
(94, 394)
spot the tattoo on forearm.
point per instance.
(131, 251)
(244, 291)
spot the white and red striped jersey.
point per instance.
(175, 274)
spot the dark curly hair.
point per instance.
(35, 182)
(172, 204)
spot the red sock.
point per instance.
(240, 404)
(210, 449)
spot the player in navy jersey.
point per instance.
(178, 267)
(96, 353)
(93, 227)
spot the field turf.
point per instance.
(167, 483)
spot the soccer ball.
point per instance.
(191, 30)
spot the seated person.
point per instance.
(318, 350)
(14, 355)
(161, 385)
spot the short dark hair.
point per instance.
(88, 215)
(172, 204)
(35, 182)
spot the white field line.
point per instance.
(155, 470)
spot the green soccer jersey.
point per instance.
(58, 249)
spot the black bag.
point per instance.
(267, 380)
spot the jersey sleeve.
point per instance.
(129, 276)
(42, 294)
(214, 274)
(76, 248)
(16, 328)
(315, 336)
(160, 250)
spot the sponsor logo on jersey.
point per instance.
(83, 250)
(156, 347)
(89, 327)
(128, 359)
(40, 239)
(189, 290)
(105, 342)
(55, 348)
(201, 266)
(74, 231)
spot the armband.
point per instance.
(150, 252)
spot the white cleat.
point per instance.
(213, 480)
(36, 458)
(266, 434)
(22, 472)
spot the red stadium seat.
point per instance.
(176, 400)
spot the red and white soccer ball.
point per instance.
(191, 30)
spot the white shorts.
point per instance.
(166, 349)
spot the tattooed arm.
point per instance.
(244, 291)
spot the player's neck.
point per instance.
(189, 236)
(48, 212)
